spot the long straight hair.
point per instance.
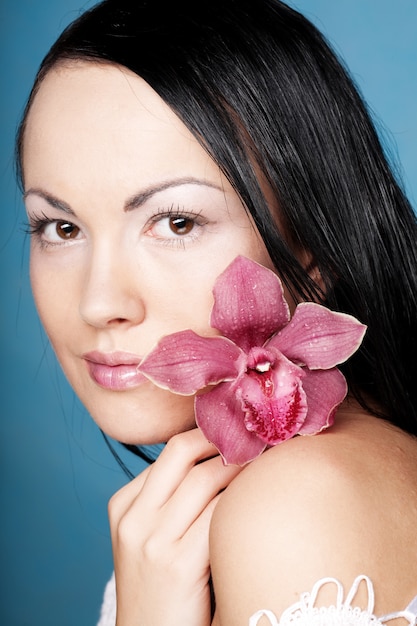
(261, 90)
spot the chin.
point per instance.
(141, 437)
(143, 423)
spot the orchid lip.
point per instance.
(273, 375)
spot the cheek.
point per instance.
(52, 292)
(42, 289)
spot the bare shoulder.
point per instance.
(339, 504)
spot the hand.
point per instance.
(160, 526)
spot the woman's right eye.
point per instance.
(62, 230)
(54, 232)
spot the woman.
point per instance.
(159, 144)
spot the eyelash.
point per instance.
(177, 213)
(37, 225)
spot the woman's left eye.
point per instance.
(181, 225)
(175, 228)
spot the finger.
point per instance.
(121, 501)
(195, 544)
(159, 481)
(201, 485)
(179, 456)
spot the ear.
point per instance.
(315, 275)
(310, 266)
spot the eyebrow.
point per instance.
(134, 201)
(140, 198)
(50, 199)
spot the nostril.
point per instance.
(114, 321)
(109, 298)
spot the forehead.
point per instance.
(86, 113)
(76, 86)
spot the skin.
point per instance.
(112, 274)
(97, 136)
(341, 504)
(104, 163)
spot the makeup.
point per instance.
(116, 371)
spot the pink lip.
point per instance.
(116, 371)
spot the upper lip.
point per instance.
(112, 359)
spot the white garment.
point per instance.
(108, 607)
(342, 613)
(302, 613)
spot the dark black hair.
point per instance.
(259, 87)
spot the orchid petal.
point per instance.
(268, 389)
(220, 417)
(249, 304)
(318, 337)
(184, 362)
(274, 401)
(325, 390)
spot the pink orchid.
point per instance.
(269, 377)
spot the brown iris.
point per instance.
(181, 225)
(66, 230)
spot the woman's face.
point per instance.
(132, 222)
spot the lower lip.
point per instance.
(115, 377)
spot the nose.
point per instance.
(111, 292)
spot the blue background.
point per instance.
(56, 472)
